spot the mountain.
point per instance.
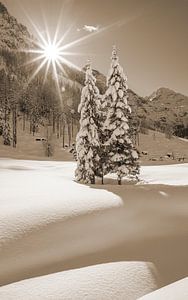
(14, 36)
(162, 109)
(167, 108)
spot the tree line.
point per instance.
(35, 101)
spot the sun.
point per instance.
(52, 53)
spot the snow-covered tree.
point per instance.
(122, 155)
(1, 121)
(102, 166)
(87, 140)
(6, 134)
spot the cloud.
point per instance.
(88, 28)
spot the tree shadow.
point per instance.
(154, 222)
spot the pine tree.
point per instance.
(1, 121)
(122, 156)
(6, 134)
(87, 140)
(102, 166)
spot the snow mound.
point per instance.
(175, 291)
(47, 218)
(112, 281)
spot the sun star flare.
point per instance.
(51, 52)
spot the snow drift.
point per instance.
(47, 218)
(113, 281)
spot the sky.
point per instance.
(151, 36)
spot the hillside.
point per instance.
(154, 143)
(158, 148)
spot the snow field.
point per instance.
(176, 175)
(48, 219)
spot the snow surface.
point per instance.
(176, 175)
(175, 291)
(47, 218)
(165, 174)
(112, 281)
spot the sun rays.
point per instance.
(53, 54)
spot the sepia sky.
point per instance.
(151, 36)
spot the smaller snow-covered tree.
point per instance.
(122, 155)
(87, 140)
(6, 134)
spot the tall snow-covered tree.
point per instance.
(87, 140)
(122, 155)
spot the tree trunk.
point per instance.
(93, 180)
(33, 128)
(61, 128)
(14, 126)
(102, 177)
(24, 121)
(53, 122)
(63, 135)
(72, 124)
(69, 135)
(30, 125)
(57, 126)
(78, 127)
(138, 139)
(119, 181)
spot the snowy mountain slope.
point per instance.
(175, 291)
(112, 281)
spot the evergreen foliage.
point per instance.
(1, 121)
(6, 134)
